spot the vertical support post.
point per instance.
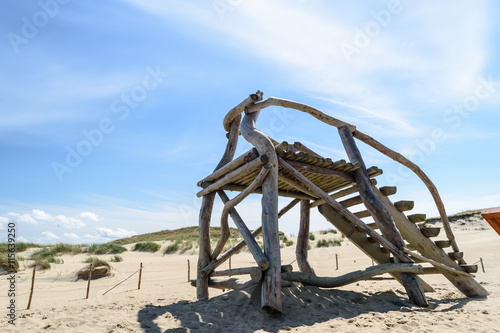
(90, 277)
(32, 286)
(482, 265)
(381, 215)
(271, 298)
(336, 262)
(301, 250)
(140, 276)
(206, 209)
(189, 272)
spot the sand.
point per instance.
(166, 301)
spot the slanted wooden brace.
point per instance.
(295, 171)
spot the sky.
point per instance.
(111, 111)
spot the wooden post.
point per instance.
(271, 298)
(381, 215)
(189, 271)
(336, 262)
(90, 277)
(229, 265)
(482, 265)
(32, 286)
(303, 238)
(206, 212)
(140, 276)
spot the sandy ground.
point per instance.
(166, 301)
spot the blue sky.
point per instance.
(112, 111)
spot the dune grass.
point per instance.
(147, 246)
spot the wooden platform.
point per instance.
(492, 216)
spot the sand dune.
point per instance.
(166, 301)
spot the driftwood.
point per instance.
(271, 284)
(255, 273)
(381, 215)
(303, 238)
(260, 258)
(228, 206)
(338, 281)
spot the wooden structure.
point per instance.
(276, 169)
(492, 216)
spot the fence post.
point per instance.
(90, 277)
(140, 275)
(336, 261)
(482, 265)
(189, 272)
(32, 286)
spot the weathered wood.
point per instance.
(322, 171)
(228, 206)
(437, 264)
(351, 201)
(226, 283)
(244, 169)
(415, 218)
(338, 281)
(303, 148)
(206, 213)
(388, 190)
(273, 101)
(226, 255)
(431, 270)
(381, 215)
(271, 298)
(343, 211)
(303, 238)
(359, 238)
(255, 273)
(430, 231)
(363, 214)
(341, 193)
(443, 243)
(286, 268)
(285, 179)
(456, 255)
(286, 194)
(416, 169)
(410, 232)
(259, 257)
(404, 205)
(469, 268)
(231, 166)
(238, 109)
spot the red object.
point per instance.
(492, 216)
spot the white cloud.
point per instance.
(23, 218)
(41, 215)
(50, 235)
(71, 236)
(69, 222)
(22, 239)
(89, 216)
(119, 233)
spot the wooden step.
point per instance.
(363, 213)
(388, 190)
(414, 218)
(469, 268)
(443, 243)
(430, 231)
(404, 205)
(456, 255)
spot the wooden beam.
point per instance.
(226, 283)
(341, 193)
(321, 171)
(303, 238)
(338, 281)
(255, 273)
(259, 257)
(404, 205)
(290, 205)
(303, 148)
(242, 170)
(381, 216)
(281, 193)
